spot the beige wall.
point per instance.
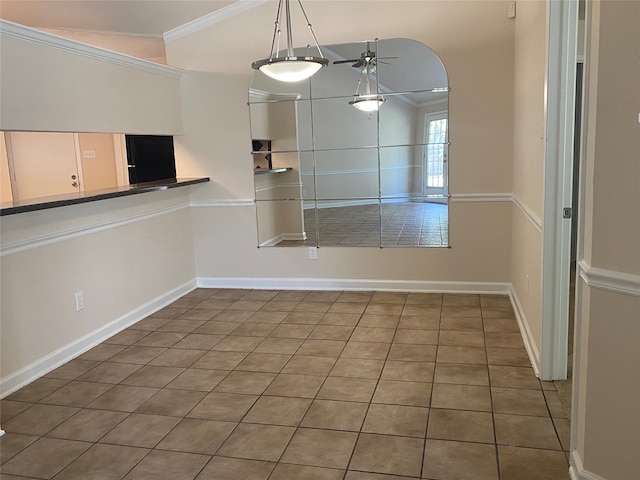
(6, 194)
(478, 56)
(51, 89)
(605, 416)
(123, 254)
(528, 164)
(98, 172)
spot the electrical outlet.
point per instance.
(79, 301)
(89, 154)
(511, 10)
(526, 278)
(313, 253)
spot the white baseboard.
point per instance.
(352, 284)
(577, 471)
(53, 360)
(282, 237)
(525, 331)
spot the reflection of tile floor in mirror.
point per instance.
(403, 224)
(292, 385)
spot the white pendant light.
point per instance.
(290, 68)
(367, 101)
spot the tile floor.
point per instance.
(403, 224)
(256, 385)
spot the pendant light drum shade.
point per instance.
(290, 68)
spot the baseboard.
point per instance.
(577, 471)
(525, 331)
(353, 284)
(62, 355)
(282, 237)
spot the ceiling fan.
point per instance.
(367, 59)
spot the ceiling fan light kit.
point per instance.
(368, 103)
(291, 67)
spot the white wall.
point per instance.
(605, 419)
(46, 85)
(528, 168)
(479, 58)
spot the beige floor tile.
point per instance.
(525, 431)
(394, 392)
(9, 409)
(123, 398)
(166, 338)
(513, 377)
(463, 299)
(263, 362)
(415, 336)
(444, 460)
(279, 306)
(461, 397)
(335, 415)
(412, 353)
(197, 379)
(219, 360)
(396, 420)
(267, 317)
(519, 402)
(139, 430)
(151, 376)
(515, 357)
(169, 312)
(419, 322)
(194, 435)
(138, 354)
(230, 407)
(278, 411)
(321, 448)
(13, 443)
(309, 365)
(454, 354)
(292, 331)
(408, 371)
(462, 339)
(199, 314)
(314, 307)
(554, 404)
(174, 465)
(389, 297)
(388, 454)
(251, 383)
(495, 301)
(461, 374)
(285, 471)
(375, 351)
(171, 402)
(224, 468)
(110, 372)
(39, 419)
(497, 312)
(348, 389)
(331, 332)
(458, 311)
(357, 367)
(372, 334)
(44, 458)
(294, 385)
(279, 345)
(237, 344)
(297, 317)
(322, 296)
(251, 329)
(103, 461)
(177, 357)
(379, 321)
(352, 475)
(37, 390)
(257, 442)
(328, 348)
(102, 352)
(461, 425)
(148, 324)
(461, 324)
(215, 327)
(501, 325)
(76, 394)
(503, 339)
(517, 463)
(348, 307)
(88, 425)
(341, 319)
(563, 429)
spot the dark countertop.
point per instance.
(43, 203)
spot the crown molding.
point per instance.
(28, 34)
(210, 19)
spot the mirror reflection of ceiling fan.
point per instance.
(366, 101)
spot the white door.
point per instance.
(43, 164)
(435, 153)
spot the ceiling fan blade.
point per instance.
(336, 62)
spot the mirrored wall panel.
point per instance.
(357, 155)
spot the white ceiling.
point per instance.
(134, 17)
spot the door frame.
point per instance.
(560, 104)
(425, 131)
